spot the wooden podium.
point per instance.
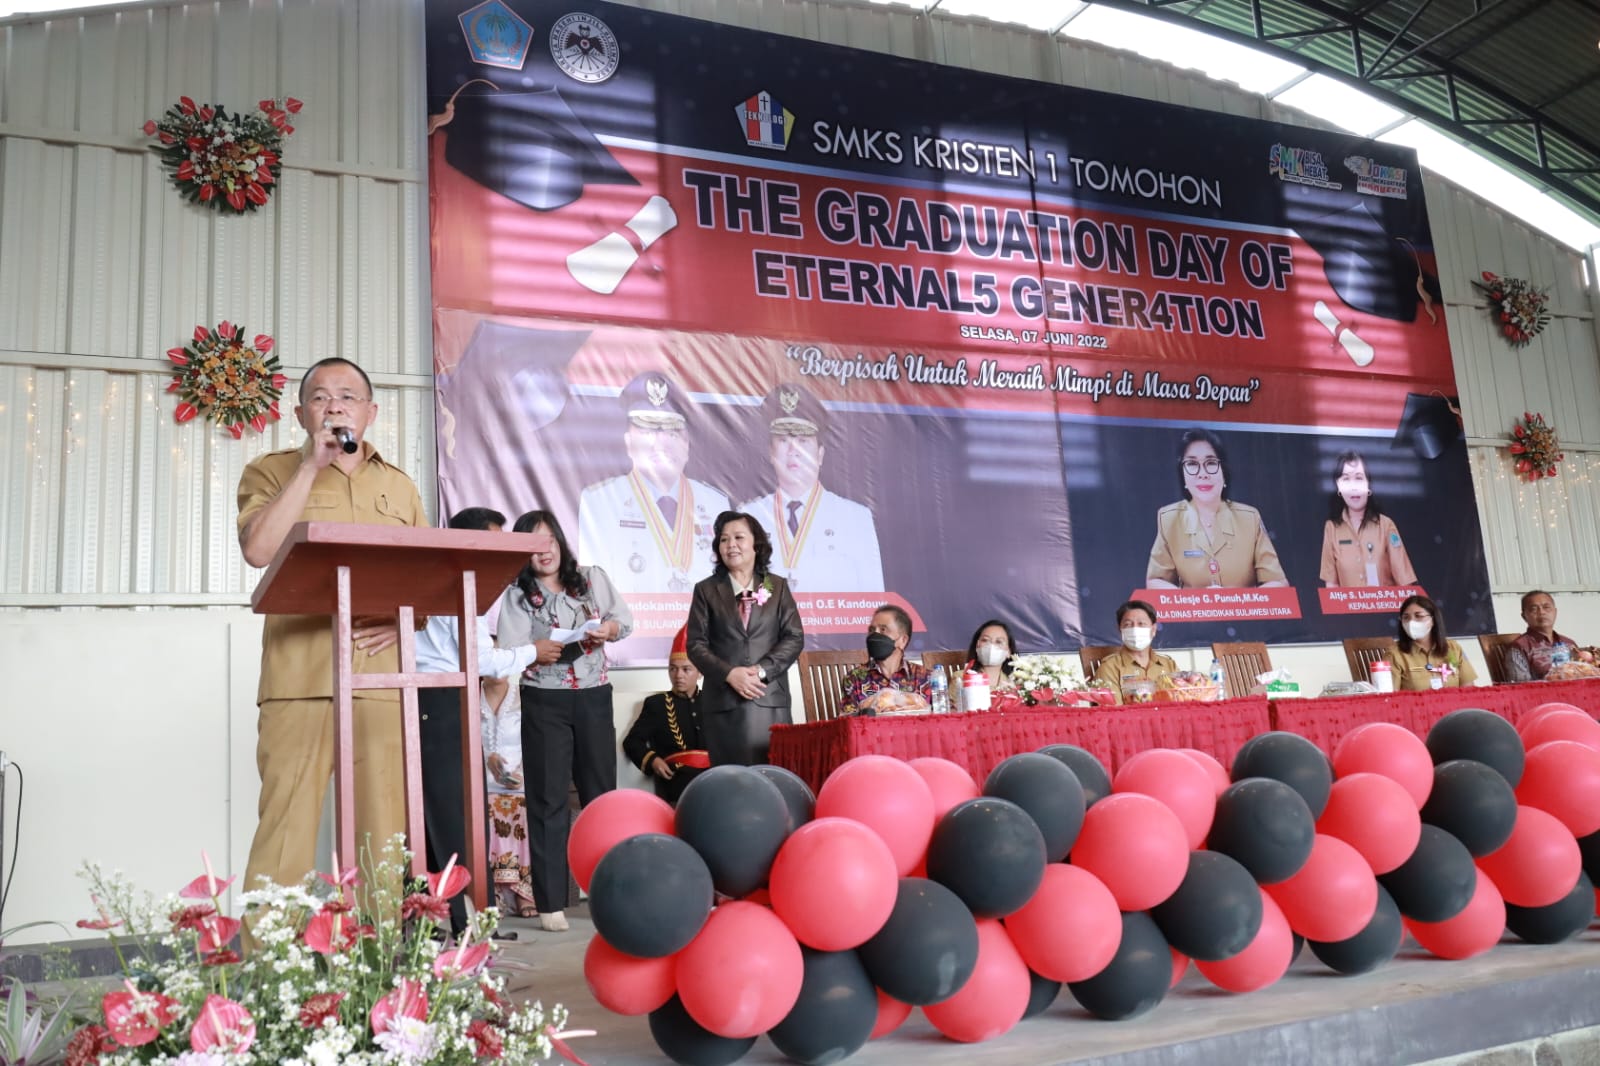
(346, 570)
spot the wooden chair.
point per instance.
(1362, 652)
(953, 661)
(1495, 646)
(1091, 654)
(820, 675)
(1241, 663)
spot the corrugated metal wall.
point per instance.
(104, 501)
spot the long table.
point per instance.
(980, 741)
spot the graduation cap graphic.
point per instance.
(525, 369)
(528, 146)
(1429, 425)
(1371, 270)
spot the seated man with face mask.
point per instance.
(889, 683)
(1134, 670)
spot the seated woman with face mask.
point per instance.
(991, 650)
(1133, 670)
(1422, 656)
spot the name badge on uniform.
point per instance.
(1347, 541)
(629, 523)
(1194, 553)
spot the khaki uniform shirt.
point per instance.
(297, 650)
(1241, 554)
(1119, 667)
(1411, 673)
(1347, 552)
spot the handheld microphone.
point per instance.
(346, 439)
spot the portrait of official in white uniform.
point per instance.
(821, 541)
(650, 529)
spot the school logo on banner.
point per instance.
(1375, 179)
(766, 122)
(1299, 165)
(584, 48)
(496, 35)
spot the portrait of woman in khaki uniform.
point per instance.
(1206, 540)
(1360, 544)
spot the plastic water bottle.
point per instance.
(1218, 678)
(941, 691)
(1560, 655)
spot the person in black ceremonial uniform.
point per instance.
(665, 739)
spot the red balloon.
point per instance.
(1562, 777)
(1334, 895)
(1472, 932)
(948, 781)
(1219, 773)
(888, 797)
(1373, 814)
(1539, 864)
(1388, 749)
(1180, 966)
(1263, 962)
(1177, 781)
(834, 884)
(612, 818)
(742, 973)
(625, 984)
(1070, 929)
(1563, 725)
(994, 999)
(1136, 846)
(892, 1014)
(1526, 721)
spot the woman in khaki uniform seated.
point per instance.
(1207, 540)
(1423, 657)
(1360, 544)
(1134, 670)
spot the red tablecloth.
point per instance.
(980, 741)
(1324, 721)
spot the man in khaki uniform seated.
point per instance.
(1134, 670)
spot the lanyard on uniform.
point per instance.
(792, 547)
(676, 547)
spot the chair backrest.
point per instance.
(820, 675)
(1362, 652)
(1240, 665)
(1495, 646)
(954, 661)
(1091, 654)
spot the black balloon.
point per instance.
(684, 1040)
(927, 949)
(1137, 977)
(1090, 772)
(1473, 803)
(649, 895)
(1041, 993)
(1368, 949)
(988, 852)
(1299, 946)
(1289, 758)
(1266, 826)
(1473, 734)
(1589, 847)
(797, 794)
(1437, 882)
(737, 820)
(1049, 791)
(1216, 911)
(834, 1016)
(1565, 917)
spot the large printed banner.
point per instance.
(982, 347)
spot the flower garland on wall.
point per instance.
(1520, 311)
(227, 162)
(1534, 447)
(230, 382)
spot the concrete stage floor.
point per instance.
(1417, 1009)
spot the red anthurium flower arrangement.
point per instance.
(1520, 311)
(1534, 447)
(227, 162)
(232, 382)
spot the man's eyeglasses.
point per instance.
(323, 399)
(1194, 466)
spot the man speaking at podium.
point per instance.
(336, 476)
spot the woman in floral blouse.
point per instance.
(568, 733)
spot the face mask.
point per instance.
(1137, 637)
(1419, 628)
(879, 647)
(992, 654)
